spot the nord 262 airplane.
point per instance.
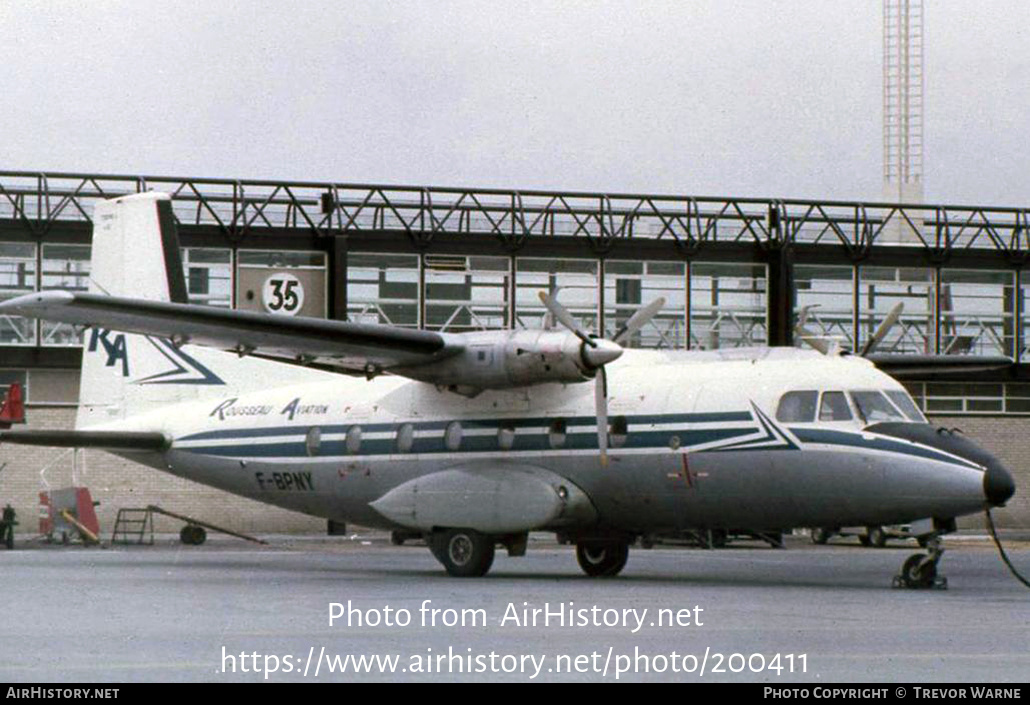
(476, 439)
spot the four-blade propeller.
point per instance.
(597, 352)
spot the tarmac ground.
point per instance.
(358, 608)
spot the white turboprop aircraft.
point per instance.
(476, 439)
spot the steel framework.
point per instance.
(33, 205)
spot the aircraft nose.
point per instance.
(998, 484)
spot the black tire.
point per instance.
(193, 535)
(918, 571)
(464, 553)
(397, 538)
(820, 536)
(877, 536)
(718, 538)
(602, 558)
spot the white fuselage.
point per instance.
(694, 443)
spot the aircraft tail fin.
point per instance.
(136, 254)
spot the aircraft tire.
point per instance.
(192, 535)
(918, 571)
(464, 553)
(877, 536)
(820, 536)
(602, 559)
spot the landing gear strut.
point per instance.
(919, 571)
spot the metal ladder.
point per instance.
(132, 527)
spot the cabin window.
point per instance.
(452, 436)
(797, 407)
(313, 441)
(506, 437)
(908, 407)
(618, 430)
(556, 434)
(874, 407)
(405, 438)
(834, 407)
(353, 439)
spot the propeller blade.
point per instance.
(883, 329)
(562, 314)
(817, 342)
(638, 319)
(601, 407)
(803, 317)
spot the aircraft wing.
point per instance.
(352, 346)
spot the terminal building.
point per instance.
(735, 272)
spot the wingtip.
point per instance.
(27, 302)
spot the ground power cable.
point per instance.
(1001, 550)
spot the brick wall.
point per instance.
(1008, 438)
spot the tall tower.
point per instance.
(903, 101)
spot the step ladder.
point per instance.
(134, 526)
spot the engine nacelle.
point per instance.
(505, 359)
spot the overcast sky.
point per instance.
(780, 98)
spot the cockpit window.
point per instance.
(797, 407)
(874, 407)
(908, 407)
(834, 407)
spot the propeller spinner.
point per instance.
(598, 352)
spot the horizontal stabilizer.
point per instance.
(904, 365)
(106, 440)
(349, 345)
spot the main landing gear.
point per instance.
(602, 558)
(919, 571)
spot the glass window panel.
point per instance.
(834, 407)
(874, 407)
(17, 277)
(572, 281)
(727, 305)
(828, 295)
(977, 312)
(630, 285)
(943, 405)
(907, 406)
(881, 289)
(983, 405)
(208, 274)
(797, 407)
(65, 267)
(383, 289)
(1017, 406)
(277, 259)
(466, 293)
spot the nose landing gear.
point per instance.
(919, 571)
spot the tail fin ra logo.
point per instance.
(184, 368)
(114, 347)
